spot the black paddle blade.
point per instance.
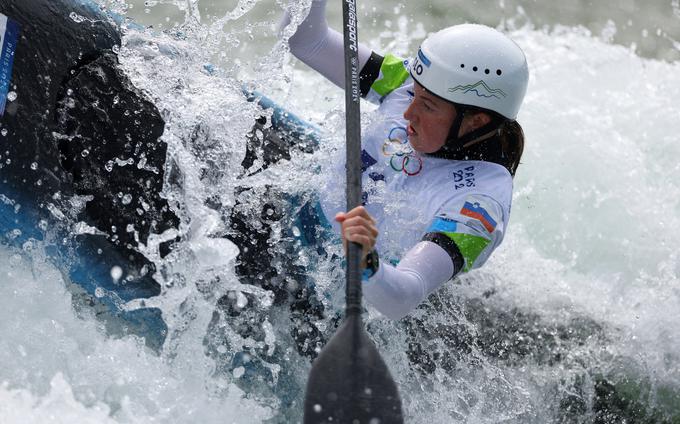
(350, 383)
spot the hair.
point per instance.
(503, 146)
(500, 141)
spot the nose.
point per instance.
(409, 113)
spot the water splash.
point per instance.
(584, 289)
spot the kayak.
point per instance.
(82, 166)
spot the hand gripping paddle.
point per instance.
(349, 381)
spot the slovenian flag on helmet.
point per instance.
(476, 211)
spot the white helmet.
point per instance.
(473, 65)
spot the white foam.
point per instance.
(60, 367)
(594, 233)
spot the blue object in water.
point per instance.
(58, 62)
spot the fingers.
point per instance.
(365, 236)
(340, 217)
(358, 211)
(358, 226)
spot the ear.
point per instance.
(480, 119)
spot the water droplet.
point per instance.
(76, 17)
(43, 225)
(116, 273)
(109, 166)
(127, 199)
(296, 231)
(116, 100)
(239, 371)
(85, 153)
(34, 166)
(317, 408)
(12, 96)
(4, 132)
(99, 292)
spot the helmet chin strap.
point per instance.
(455, 146)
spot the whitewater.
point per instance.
(584, 289)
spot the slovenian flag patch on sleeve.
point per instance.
(9, 33)
(477, 211)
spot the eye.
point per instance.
(428, 105)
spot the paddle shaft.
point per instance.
(349, 381)
(353, 146)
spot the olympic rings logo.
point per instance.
(403, 157)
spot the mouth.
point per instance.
(410, 131)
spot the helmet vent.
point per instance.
(486, 71)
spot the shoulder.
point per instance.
(393, 74)
(471, 176)
(458, 183)
(472, 207)
(480, 175)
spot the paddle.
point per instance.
(349, 381)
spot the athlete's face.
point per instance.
(430, 119)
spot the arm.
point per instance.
(455, 242)
(320, 47)
(396, 291)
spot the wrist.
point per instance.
(371, 264)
